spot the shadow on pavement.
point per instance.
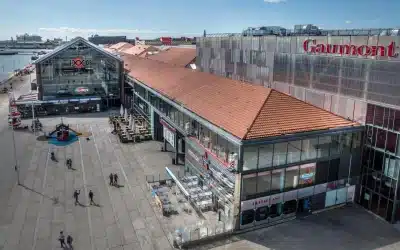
(348, 227)
(54, 199)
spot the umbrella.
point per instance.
(126, 114)
(122, 111)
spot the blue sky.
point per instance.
(153, 18)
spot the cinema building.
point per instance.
(356, 77)
(76, 77)
(265, 156)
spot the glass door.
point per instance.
(330, 198)
(341, 195)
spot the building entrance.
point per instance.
(304, 206)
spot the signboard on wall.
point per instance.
(80, 63)
(311, 46)
(169, 136)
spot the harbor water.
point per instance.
(9, 63)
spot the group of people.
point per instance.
(61, 239)
(113, 179)
(78, 192)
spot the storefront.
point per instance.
(76, 73)
(259, 171)
(60, 107)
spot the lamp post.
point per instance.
(16, 168)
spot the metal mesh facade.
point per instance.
(339, 83)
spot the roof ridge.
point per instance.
(259, 111)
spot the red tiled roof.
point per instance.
(180, 57)
(138, 50)
(118, 46)
(246, 111)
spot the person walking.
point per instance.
(76, 196)
(91, 197)
(111, 176)
(61, 239)
(115, 180)
(69, 241)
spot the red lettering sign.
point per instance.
(311, 46)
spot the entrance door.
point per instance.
(304, 206)
(330, 198)
(341, 195)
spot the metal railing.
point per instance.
(185, 236)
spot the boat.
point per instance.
(34, 57)
(42, 53)
(7, 52)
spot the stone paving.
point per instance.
(123, 218)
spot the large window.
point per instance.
(291, 178)
(307, 175)
(249, 186)
(278, 181)
(250, 158)
(280, 153)
(78, 71)
(309, 149)
(294, 151)
(263, 183)
(265, 156)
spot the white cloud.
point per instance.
(348, 21)
(274, 1)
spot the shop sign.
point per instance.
(277, 198)
(262, 202)
(63, 101)
(84, 100)
(81, 90)
(311, 46)
(80, 63)
(169, 136)
(246, 205)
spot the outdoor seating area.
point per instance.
(201, 196)
(130, 128)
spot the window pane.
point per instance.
(250, 155)
(278, 181)
(294, 151)
(280, 152)
(333, 170)
(307, 175)
(249, 186)
(335, 149)
(264, 182)
(291, 178)
(308, 149)
(324, 143)
(265, 156)
(391, 142)
(322, 171)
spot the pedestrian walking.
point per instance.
(111, 176)
(61, 239)
(69, 240)
(115, 180)
(76, 196)
(91, 197)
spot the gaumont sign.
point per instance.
(311, 46)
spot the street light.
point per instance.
(16, 168)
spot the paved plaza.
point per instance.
(125, 217)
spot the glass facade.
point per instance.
(381, 162)
(268, 59)
(224, 150)
(80, 70)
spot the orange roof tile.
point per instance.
(283, 114)
(139, 50)
(246, 111)
(180, 57)
(118, 46)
